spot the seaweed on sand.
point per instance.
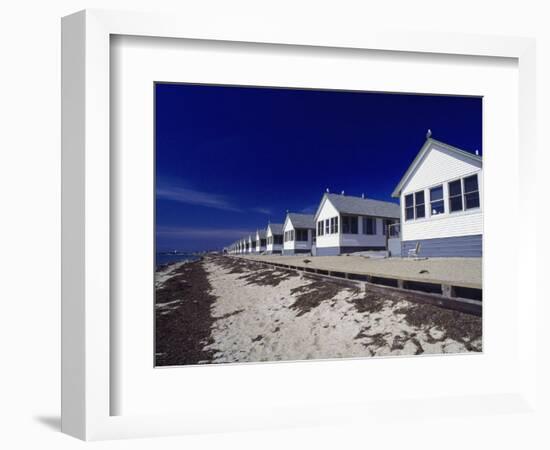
(183, 330)
(310, 296)
(268, 277)
(458, 326)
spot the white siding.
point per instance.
(438, 167)
(327, 211)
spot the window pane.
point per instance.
(437, 207)
(354, 222)
(436, 193)
(371, 226)
(408, 200)
(336, 219)
(409, 213)
(456, 203)
(472, 200)
(470, 184)
(420, 211)
(455, 188)
(327, 227)
(419, 197)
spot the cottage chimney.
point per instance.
(343, 193)
(328, 191)
(363, 195)
(477, 152)
(429, 134)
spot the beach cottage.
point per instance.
(243, 246)
(260, 241)
(274, 238)
(251, 242)
(441, 202)
(298, 233)
(346, 224)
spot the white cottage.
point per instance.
(346, 224)
(260, 241)
(274, 238)
(298, 233)
(243, 246)
(251, 243)
(441, 202)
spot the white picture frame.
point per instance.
(86, 245)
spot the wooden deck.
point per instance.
(453, 283)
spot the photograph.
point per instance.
(297, 224)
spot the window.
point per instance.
(455, 196)
(437, 205)
(414, 206)
(369, 225)
(291, 235)
(278, 239)
(301, 235)
(262, 242)
(327, 226)
(419, 207)
(333, 225)
(320, 228)
(471, 192)
(349, 224)
(336, 224)
(409, 207)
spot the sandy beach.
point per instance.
(227, 310)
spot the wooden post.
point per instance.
(447, 290)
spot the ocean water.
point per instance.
(167, 258)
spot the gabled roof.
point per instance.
(362, 206)
(276, 228)
(302, 220)
(425, 148)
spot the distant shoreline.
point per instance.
(163, 260)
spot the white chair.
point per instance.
(414, 252)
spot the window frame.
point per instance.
(463, 193)
(350, 218)
(411, 195)
(442, 200)
(415, 205)
(365, 222)
(477, 191)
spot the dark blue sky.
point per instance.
(228, 159)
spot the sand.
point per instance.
(259, 313)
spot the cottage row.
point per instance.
(439, 214)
